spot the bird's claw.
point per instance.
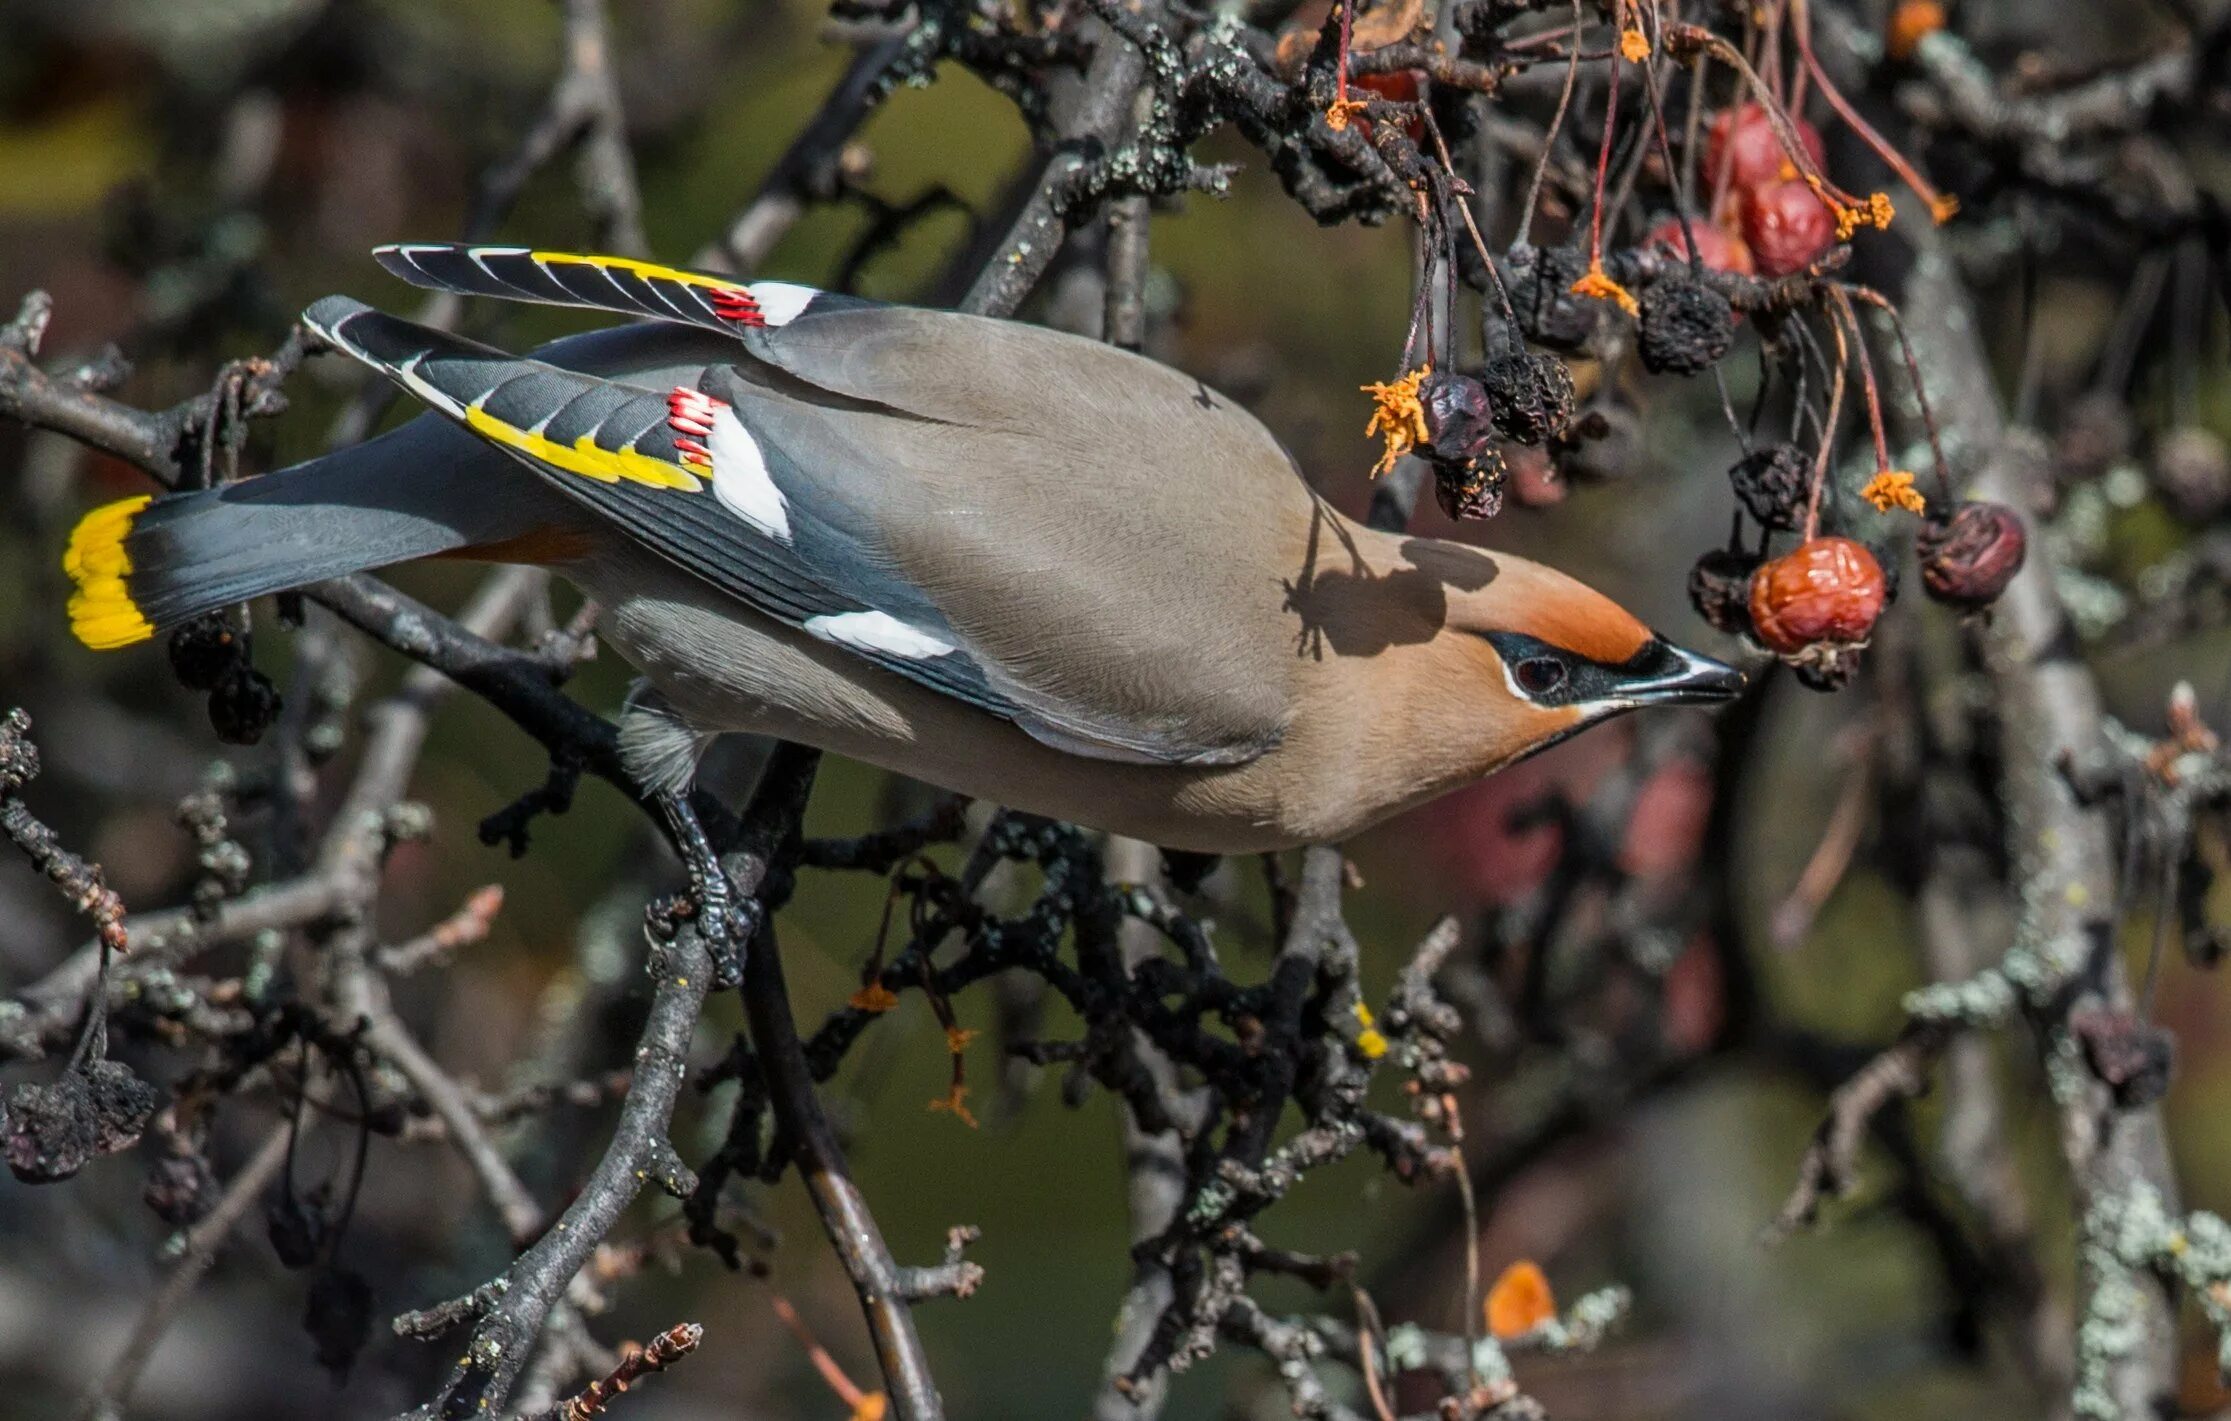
(725, 923)
(727, 928)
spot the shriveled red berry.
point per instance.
(1968, 558)
(1829, 591)
(1787, 227)
(1717, 248)
(1743, 140)
(1459, 423)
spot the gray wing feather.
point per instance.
(983, 481)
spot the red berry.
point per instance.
(1535, 482)
(1717, 247)
(1787, 227)
(1398, 86)
(1828, 591)
(1743, 138)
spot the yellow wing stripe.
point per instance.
(648, 270)
(102, 612)
(583, 456)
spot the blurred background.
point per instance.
(182, 176)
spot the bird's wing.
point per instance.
(1103, 529)
(735, 484)
(623, 284)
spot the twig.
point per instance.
(681, 971)
(852, 1230)
(665, 1350)
(202, 1242)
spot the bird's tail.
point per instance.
(425, 489)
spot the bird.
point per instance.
(1019, 564)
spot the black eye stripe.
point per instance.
(1581, 679)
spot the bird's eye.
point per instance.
(1539, 675)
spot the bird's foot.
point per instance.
(726, 921)
(727, 927)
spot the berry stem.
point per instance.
(1464, 210)
(1827, 434)
(1340, 72)
(1866, 376)
(1549, 136)
(1603, 166)
(1785, 133)
(1941, 206)
(1883, 303)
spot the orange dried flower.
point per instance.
(957, 1039)
(1893, 488)
(874, 998)
(1597, 283)
(1634, 46)
(1911, 22)
(871, 1407)
(1875, 212)
(1398, 417)
(954, 1104)
(1343, 112)
(1520, 1301)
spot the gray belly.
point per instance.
(725, 668)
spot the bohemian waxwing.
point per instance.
(1018, 564)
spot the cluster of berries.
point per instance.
(1816, 606)
(1767, 219)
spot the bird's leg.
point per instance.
(725, 921)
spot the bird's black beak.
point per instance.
(1672, 676)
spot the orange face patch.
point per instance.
(1498, 592)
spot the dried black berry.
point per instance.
(1473, 489)
(1720, 590)
(297, 1228)
(121, 1104)
(204, 651)
(1531, 394)
(243, 706)
(1459, 422)
(181, 1189)
(48, 1132)
(338, 1317)
(1540, 284)
(1685, 328)
(1774, 482)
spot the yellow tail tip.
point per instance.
(102, 613)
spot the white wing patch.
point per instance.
(740, 476)
(780, 301)
(878, 631)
